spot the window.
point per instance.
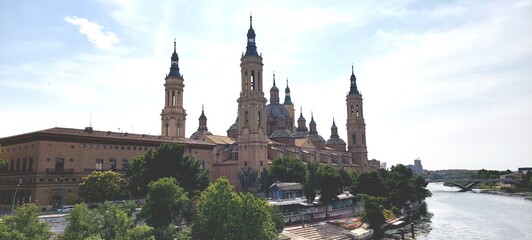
(99, 164)
(124, 164)
(177, 129)
(12, 165)
(30, 164)
(173, 98)
(112, 164)
(24, 162)
(354, 137)
(18, 164)
(59, 164)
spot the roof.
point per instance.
(287, 186)
(336, 141)
(220, 140)
(282, 133)
(88, 135)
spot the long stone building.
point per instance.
(51, 162)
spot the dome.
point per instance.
(300, 134)
(276, 111)
(335, 141)
(316, 138)
(197, 134)
(281, 133)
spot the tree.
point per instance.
(101, 186)
(287, 169)
(215, 212)
(108, 221)
(24, 225)
(373, 213)
(164, 204)
(277, 218)
(81, 223)
(371, 184)
(137, 176)
(248, 178)
(330, 184)
(167, 161)
(310, 185)
(72, 199)
(254, 218)
(223, 214)
(353, 187)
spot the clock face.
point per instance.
(251, 40)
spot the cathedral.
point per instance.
(45, 165)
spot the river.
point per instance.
(474, 215)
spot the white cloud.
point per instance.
(94, 33)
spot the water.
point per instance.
(473, 215)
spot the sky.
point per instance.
(449, 82)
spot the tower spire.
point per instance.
(251, 48)
(287, 98)
(174, 65)
(353, 89)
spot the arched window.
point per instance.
(358, 111)
(177, 129)
(354, 138)
(167, 130)
(352, 111)
(252, 80)
(246, 119)
(173, 98)
(258, 118)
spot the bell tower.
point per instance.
(252, 140)
(356, 127)
(173, 115)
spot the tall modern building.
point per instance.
(51, 162)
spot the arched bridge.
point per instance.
(468, 184)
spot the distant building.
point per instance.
(524, 170)
(417, 168)
(377, 164)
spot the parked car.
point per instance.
(65, 209)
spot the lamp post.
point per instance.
(15, 196)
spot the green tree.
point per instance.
(223, 214)
(101, 186)
(373, 214)
(24, 225)
(330, 183)
(167, 161)
(353, 186)
(137, 176)
(72, 199)
(398, 183)
(254, 219)
(310, 185)
(113, 221)
(142, 232)
(164, 204)
(287, 169)
(371, 184)
(277, 218)
(81, 223)
(248, 178)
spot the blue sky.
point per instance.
(446, 81)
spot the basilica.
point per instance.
(44, 165)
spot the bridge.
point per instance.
(468, 184)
